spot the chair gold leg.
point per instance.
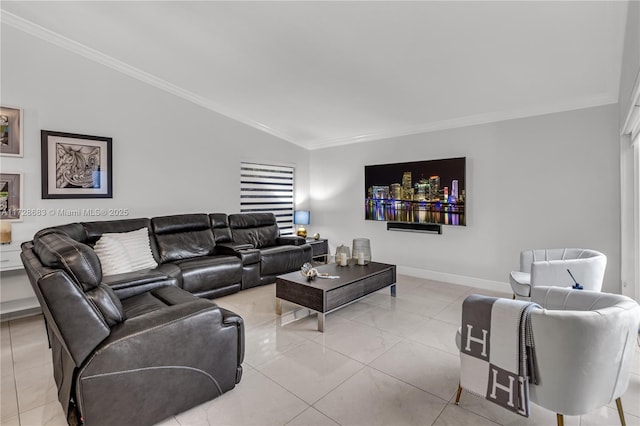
(458, 395)
(560, 418)
(620, 412)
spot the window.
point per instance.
(266, 188)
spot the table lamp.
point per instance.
(301, 217)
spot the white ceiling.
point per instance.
(326, 73)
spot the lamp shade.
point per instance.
(301, 217)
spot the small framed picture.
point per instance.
(10, 131)
(76, 166)
(11, 196)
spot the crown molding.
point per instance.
(472, 120)
(94, 55)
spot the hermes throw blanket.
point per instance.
(497, 361)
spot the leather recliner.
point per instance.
(136, 356)
(278, 254)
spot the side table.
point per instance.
(319, 249)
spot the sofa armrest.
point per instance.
(245, 252)
(185, 349)
(232, 319)
(231, 248)
(290, 240)
(131, 284)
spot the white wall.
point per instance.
(547, 181)
(169, 155)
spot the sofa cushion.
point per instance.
(282, 259)
(125, 252)
(257, 229)
(155, 299)
(141, 304)
(183, 236)
(210, 272)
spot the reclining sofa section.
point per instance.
(137, 347)
(208, 255)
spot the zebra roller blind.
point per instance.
(265, 188)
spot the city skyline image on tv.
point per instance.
(431, 191)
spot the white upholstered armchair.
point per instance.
(548, 267)
(584, 346)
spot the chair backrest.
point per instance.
(584, 344)
(257, 229)
(182, 236)
(548, 267)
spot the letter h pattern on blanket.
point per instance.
(499, 375)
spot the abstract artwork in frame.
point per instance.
(76, 166)
(11, 196)
(10, 131)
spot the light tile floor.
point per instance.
(381, 361)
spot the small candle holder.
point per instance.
(362, 251)
(342, 255)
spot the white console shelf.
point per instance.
(16, 296)
(10, 257)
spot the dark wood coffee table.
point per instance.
(326, 295)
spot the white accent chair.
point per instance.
(584, 345)
(548, 267)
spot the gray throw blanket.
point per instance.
(497, 360)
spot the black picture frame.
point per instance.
(76, 166)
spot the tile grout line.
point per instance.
(13, 370)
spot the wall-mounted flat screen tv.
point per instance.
(430, 191)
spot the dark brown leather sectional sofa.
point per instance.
(138, 347)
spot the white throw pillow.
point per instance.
(133, 245)
(113, 256)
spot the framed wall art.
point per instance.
(76, 166)
(10, 131)
(11, 196)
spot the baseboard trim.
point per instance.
(8, 316)
(454, 279)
